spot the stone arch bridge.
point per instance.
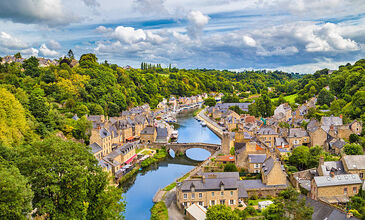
(183, 147)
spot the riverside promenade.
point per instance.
(212, 125)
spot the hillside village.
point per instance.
(260, 147)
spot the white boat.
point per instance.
(204, 124)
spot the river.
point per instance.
(142, 188)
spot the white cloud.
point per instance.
(45, 51)
(102, 29)
(278, 51)
(129, 34)
(91, 3)
(50, 12)
(197, 22)
(54, 45)
(10, 42)
(29, 52)
(154, 7)
(249, 41)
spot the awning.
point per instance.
(130, 138)
(130, 159)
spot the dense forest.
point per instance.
(51, 176)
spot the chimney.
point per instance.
(203, 179)
(341, 116)
(321, 161)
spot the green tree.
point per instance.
(71, 54)
(210, 102)
(67, 183)
(16, 195)
(18, 55)
(230, 167)
(221, 212)
(299, 157)
(264, 106)
(325, 97)
(88, 60)
(353, 149)
(30, 66)
(354, 138)
(13, 123)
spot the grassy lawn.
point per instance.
(289, 98)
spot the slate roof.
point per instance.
(339, 143)
(337, 180)
(268, 165)
(225, 106)
(297, 132)
(104, 133)
(148, 130)
(95, 148)
(267, 131)
(242, 192)
(256, 184)
(161, 132)
(335, 166)
(256, 158)
(354, 161)
(322, 211)
(209, 184)
(332, 120)
(234, 175)
(312, 126)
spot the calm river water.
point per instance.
(142, 188)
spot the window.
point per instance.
(201, 203)
(231, 202)
(212, 202)
(193, 195)
(355, 189)
(222, 202)
(345, 190)
(185, 204)
(200, 195)
(185, 196)
(257, 171)
(257, 165)
(361, 175)
(222, 193)
(212, 193)
(231, 193)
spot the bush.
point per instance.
(230, 167)
(159, 211)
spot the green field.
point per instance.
(289, 98)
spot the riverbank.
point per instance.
(212, 125)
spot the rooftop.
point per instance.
(354, 161)
(256, 158)
(337, 180)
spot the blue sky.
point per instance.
(299, 36)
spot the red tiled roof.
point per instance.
(225, 158)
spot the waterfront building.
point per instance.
(210, 189)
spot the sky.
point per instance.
(295, 36)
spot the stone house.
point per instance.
(103, 138)
(297, 137)
(282, 147)
(225, 159)
(334, 145)
(335, 189)
(267, 135)
(354, 164)
(273, 172)
(148, 135)
(242, 150)
(317, 135)
(300, 112)
(209, 189)
(255, 162)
